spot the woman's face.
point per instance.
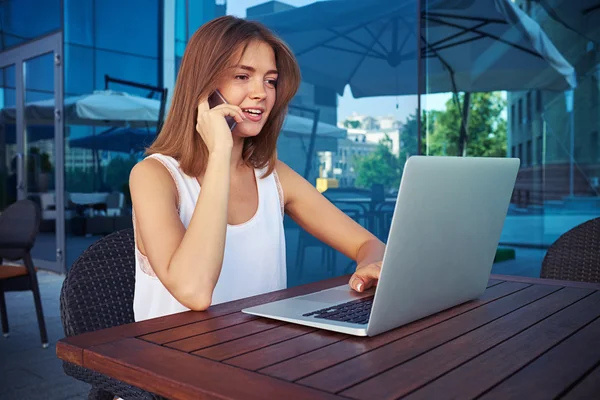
(252, 86)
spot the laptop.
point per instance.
(445, 230)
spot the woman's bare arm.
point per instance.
(319, 217)
(188, 262)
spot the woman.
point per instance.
(208, 202)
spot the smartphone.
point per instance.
(217, 98)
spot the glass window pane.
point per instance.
(39, 74)
(79, 69)
(554, 133)
(126, 67)
(79, 17)
(180, 27)
(115, 29)
(22, 21)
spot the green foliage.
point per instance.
(486, 128)
(380, 166)
(351, 124)
(440, 136)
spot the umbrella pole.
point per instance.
(464, 125)
(94, 160)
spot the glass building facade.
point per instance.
(430, 77)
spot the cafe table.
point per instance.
(524, 338)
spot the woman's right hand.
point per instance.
(212, 126)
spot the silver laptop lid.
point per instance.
(445, 230)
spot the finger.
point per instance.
(230, 110)
(368, 276)
(356, 283)
(203, 106)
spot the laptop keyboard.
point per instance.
(356, 311)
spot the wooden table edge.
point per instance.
(545, 281)
(69, 352)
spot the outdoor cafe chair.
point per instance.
(97, 293)
(575, 255)
(19, 226)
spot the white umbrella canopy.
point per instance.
(581, 16)
(472, 46)
(296, 126)
(100, 108)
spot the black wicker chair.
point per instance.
(575, 256)
(98, 293)
(19, 226)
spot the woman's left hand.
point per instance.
(365, 277)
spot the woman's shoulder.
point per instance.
(152, 171)
(284, 171)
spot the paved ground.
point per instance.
(27, 371)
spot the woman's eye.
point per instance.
(242, 77)
(272, 82)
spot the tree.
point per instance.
(409, 138)
(351, 124)
(486, 128)
(379, 167)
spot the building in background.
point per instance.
(340, 164)
(71, 46)
(364, 135)
(540, 127)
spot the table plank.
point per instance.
(198, 342)
(180, 376)
(197, 328)
(494, 282)
(283, 351)
(356, 370)
(409, 376)
(492, 367)
(309, 363)
(254, 342)
(587, 389)
(556, 370)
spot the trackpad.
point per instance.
(333, 296)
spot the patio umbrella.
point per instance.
(581, 16)
(296, 126)
(35, 133)
(121, 140)
(468, 46)
(100, 108)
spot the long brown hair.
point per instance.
(210, 53)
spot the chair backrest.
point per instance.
(97, 292)
(19, 225)
(575, 255)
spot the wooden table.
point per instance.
(524, 338)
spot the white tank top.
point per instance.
(254, 259)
